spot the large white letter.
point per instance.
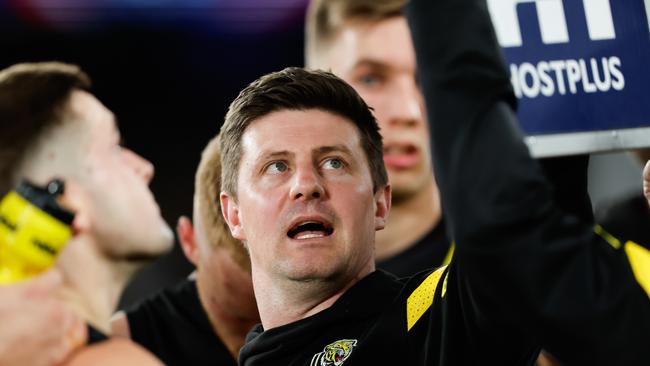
(506, 22)
(552, 21)
(598, 14)
(550, 14)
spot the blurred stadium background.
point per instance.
(167, 68)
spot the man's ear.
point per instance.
(230, 211)
(382, 206)
(76, 199)
(185, 232)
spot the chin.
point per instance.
(166, 238)
(162, 244)
(142, 257)
(159, 239)
(314, 273)
(405, 186)
(150, 248)
(402, 192)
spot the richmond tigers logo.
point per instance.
(334, 354)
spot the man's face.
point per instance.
(306, 207)
(123, 214)
(378, 60)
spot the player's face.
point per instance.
(378, 60)
(123, 213)
(305, 205)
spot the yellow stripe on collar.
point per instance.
(421, 298)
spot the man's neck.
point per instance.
(228, 320)
(92, 283)
(410, 219)
(282, 301)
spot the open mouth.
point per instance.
(406, 149)
(401, 156)
(310, 229)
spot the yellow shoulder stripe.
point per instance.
(615, 243)
(421, 298)
(639, 258)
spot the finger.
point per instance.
(73, 335)
(78, 334)
(646, 180)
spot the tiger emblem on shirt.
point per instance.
(334, 354)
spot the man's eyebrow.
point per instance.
(273, 155)
(332, 148)
(372, 63)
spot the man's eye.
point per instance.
(333, 163)
(277, 167)
(370, 80)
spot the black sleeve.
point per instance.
(547, 270)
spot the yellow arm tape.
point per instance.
(639, 258)
(421, 298)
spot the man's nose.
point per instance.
(142, 167)
(404, 108)
(307, 185)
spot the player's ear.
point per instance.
(76, 199)
(187, 238)
(230, 211)
(382, 206)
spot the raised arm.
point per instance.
(547, 272)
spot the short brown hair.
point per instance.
(33, 97)
(207, 188)
(298, 89)
(325, 18)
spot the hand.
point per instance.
(646, 181)
(37, 329)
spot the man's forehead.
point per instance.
(366, 40)
(289, 132)
(93, 113)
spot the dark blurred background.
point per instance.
(168, 69)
